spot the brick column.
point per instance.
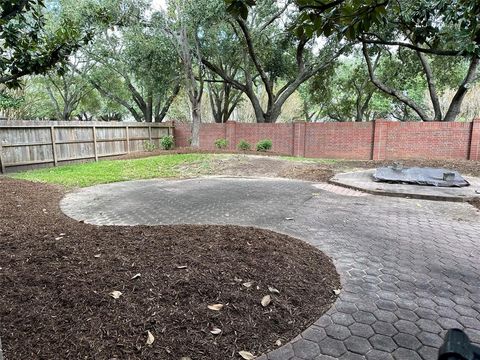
(230, 134)
(380, 133)
(299, 131)
(475, 141)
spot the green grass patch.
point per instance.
(109, 171)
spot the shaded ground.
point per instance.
(56, 275)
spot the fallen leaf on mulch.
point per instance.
(273, 290)
(278, 342)
(266, 300)
(247, 284)
(215, 307)
(136, 276)
(246, 355)
(216, 331)
(150, 338)
(336, 291)
(115, 294)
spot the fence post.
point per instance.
(475, 141)
(94, 133)
(299, 134)
(380, 133)
(2, 162)
(230, 134)
(54, 148)
(128, 139)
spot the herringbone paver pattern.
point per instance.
(410, 269)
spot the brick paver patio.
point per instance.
(410, 269)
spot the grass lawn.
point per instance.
(108, 171)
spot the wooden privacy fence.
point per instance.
(43, 143)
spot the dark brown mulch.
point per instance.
(56, 275)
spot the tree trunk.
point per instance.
(431, 87)
(196, 120)
(148, 111)
(456, 104)
(166, 106)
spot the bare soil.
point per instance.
(56, 276)
(255, 163)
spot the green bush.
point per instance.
(149, 145)
(244, 145)
(221, 143)
(167, 142)
(264, 145)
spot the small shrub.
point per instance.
(244, 145)
(167, 142)
(264, 145)
(149, 145)
(221, 143)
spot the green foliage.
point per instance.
(149, 146)
(167, 142)
(264, 145)
(221, 143)
(28, 45)
(8, 101)
(243, 145)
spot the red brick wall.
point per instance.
(360, 141)
(209, 133)
(346, 140)
(182, 134)
(432, 140)
(280, 134)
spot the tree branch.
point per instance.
(413, 47)
(393, 92)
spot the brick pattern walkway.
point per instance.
(410, 269)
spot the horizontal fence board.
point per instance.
(46, 143)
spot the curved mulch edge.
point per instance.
(55, 303)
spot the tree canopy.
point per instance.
(248, 60)
(28, 45)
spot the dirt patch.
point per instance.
(319, 171)
(186, 150)
(476, 203)
(263, 166)
(56, 275)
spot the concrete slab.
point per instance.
(363, 181)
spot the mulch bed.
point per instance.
(56, 275)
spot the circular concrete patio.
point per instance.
(410, 268)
